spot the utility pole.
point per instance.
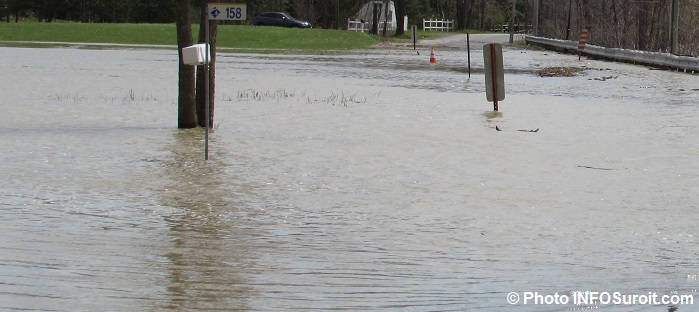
(674, 26)
(512, 22)
(536, 18)
(570, 12)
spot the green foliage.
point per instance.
(496, 15)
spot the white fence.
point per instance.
(686, 63)
(363, 26)
(358, 25)
(437, 25)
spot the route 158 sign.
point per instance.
(227, 11)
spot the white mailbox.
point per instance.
(195, 55)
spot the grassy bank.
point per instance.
(243, 37)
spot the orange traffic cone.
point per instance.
(432, 58)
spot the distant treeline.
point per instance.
(633, 24)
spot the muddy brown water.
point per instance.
(362, 181)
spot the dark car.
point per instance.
(279, 19)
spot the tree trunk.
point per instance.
(464, 10)
(375, 23)
(385, 17)
(201, 93)
(400, 17)
(482, 26)
(186, 106)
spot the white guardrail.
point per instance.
(686, 63)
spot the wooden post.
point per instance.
(570, 11)
(414, 28)
(468, 49)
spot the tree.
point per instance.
(186, 105)
(400, 17)
(151, 11)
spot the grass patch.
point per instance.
(89, 32)
(257, 37)
(242, 37)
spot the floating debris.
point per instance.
(603, 78)
(559, 71)
(596, 168)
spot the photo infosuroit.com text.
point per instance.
(598, 298)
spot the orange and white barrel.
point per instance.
(583, 40)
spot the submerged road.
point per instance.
(366, 181)
(459, 40)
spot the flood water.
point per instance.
(367, 180)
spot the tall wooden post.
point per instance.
(536, 18)
(468, 52)
(570, 13)
(674, 26)
(512, 23)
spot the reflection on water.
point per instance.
(208, 258)
(407, 199)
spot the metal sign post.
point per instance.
(219, 12)
(494, 73)
(206, 89)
